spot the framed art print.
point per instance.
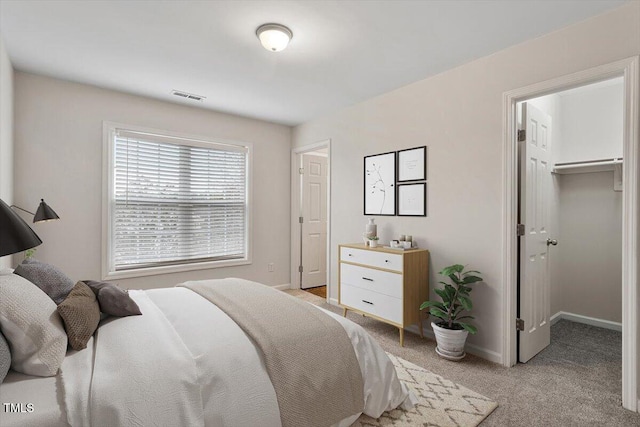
(412, 164)
(412, 199)
(379, 184)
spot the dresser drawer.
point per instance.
(380, 305)
(372, 258)
(374, 280)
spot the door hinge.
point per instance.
(300, 269)
(301, 171)
(301, 220)
(520, 324)
(520, 230)
(522, 135)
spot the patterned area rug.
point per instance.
(441, 402)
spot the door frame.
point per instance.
(627, 68)
(296, 193)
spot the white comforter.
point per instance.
(186, 363)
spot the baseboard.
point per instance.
(481, 352)
(578, 318)
(333, 301)
(286, 286)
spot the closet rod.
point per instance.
(587, 166)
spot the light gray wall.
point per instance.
(592, 122)
(458, 115)
(6, 134)
(590, 247)
(58, 157)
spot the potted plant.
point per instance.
(452, 329)
(373, 241)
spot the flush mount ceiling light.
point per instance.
(274, 37)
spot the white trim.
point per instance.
(333, 301)
(108, 130)
(296, 158)
(578, 318)
(284, 287)
(630, 230)
(482, 352)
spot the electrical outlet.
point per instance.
(271, 267)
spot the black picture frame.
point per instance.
(379, 196)
(412, 164)
(411, 199)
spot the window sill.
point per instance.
(154, 271)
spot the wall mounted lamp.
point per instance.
(15, 235)
(44, 212)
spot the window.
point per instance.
(174, 201)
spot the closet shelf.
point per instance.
(603, 165)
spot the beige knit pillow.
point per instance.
(31, 325)
(81, 314)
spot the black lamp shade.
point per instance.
(44, 213)
(15, 235)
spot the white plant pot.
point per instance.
(450, 342)
(373, 243)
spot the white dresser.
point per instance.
(386, 284)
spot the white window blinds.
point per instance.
(176, 201)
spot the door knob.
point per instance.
(553, 242)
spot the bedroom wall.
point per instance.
(458, 115)
(58, 157)
(6, 134)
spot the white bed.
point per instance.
(229, 386)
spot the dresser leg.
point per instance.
(344, 312)
(420, 324)
(401, 337)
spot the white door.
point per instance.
(314, 223)
(535, 186)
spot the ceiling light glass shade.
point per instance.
(274, 37)
(44, 213)
(15, 235)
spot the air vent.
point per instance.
(188, 95)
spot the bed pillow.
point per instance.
(47, 277)
(81, 314)
(113, 300)
(32, 326)
(5, 357)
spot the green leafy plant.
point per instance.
(29, 253)
(455, 298)
(374, 238)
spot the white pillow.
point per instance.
(29, 320)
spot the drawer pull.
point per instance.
(350, 254)
(386, 260)
(367, 302)
(366, 278)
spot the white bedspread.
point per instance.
(185, 362)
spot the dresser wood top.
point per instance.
(381, 249)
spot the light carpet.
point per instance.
(442, 403)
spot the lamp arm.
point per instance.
(23, 210)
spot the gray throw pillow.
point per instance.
(113, 300)
(52, 281)
(5, 357)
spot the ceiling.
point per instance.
(342, 52)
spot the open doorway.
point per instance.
(570, 150)
(310, 213)
(570, 204)
(628, 70)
